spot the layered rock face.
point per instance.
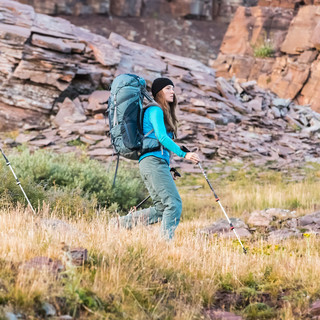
(41, 57)
(292, 71)
(136, 8)
(289, 4)
(72, 7)
(54, 87)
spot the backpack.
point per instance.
(125, 114)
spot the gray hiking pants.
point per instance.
(167, 208)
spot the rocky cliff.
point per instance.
(277, 46)
(207, 9)
(54, 79)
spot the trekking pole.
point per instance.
(138, 205)
(218, 200)
(183, 148)
(18, 182)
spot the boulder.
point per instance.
(69, 111)
(12, 118)
(221, 315)
(240, 25)
(284, 234)
(259, 219)
(301, 31)
(222, 228)
(288, 78)
(251, 27)
(241, 67)
(315, 38)
(310, 93)
(310, 222)
(48, 309)
(315, 308)
(103, 51)
(97, 101)
(77, 256)
(43, 264)
(261, 70)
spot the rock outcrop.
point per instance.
(73, 7)
(278, 47)
(136, 8)
(50, 73)
(289, 4)
(42, 57)
(274, 224)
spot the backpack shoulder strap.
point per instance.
(151, 104)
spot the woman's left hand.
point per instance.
(192, 156)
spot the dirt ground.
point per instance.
(197, 39)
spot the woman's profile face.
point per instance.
(168, 93)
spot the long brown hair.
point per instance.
(169, 110)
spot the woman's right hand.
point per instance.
(192, 156)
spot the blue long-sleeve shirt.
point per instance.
(154, 119)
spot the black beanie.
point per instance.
(158, 84)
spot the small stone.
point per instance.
(10, 316)
(283, 234)
(222, 228)
(222, 315)
(259, 219)
(77, 255)
(43, 264)
(281, 102)
(49, 309)
(315, 308)
(276, 112)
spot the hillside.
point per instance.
(52, 70)
(69, 260)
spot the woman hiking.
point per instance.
(160, 122)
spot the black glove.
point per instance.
(185, 149)
(175, 172)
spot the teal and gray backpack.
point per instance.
(125, 113)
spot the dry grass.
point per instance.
(136, 275)
(243, 192)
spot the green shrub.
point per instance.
(10, 192)
(259, 310)
(51, 177)
(264, 50)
